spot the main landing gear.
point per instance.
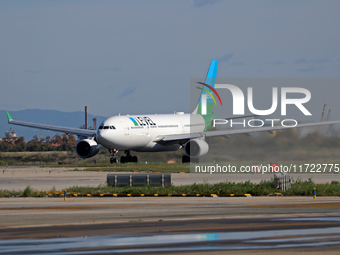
(113, 153)
(128, 158)
(187, 159)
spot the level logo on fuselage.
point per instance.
(142, 121)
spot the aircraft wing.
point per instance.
(73, 131)
(182, 138)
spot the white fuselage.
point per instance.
(141, 132)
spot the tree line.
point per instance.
(64, 142)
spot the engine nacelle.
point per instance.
(87, 148)
(196, 148)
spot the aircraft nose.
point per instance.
(101, 137)
(104, 137)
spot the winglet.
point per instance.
(9, 117)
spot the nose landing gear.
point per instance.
(113, 153)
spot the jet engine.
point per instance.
(196, 148)
(87, 148)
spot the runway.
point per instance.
(245, 236)
(169, 225)
(24, 212)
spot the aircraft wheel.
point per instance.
(129, 158)
(134, 159)
(185, 159)
(123, 159)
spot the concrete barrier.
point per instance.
(134, 180)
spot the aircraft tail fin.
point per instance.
(207, 99)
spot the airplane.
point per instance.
(157, 132)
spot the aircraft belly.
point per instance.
(131, 144)
(153, 146)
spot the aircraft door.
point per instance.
(146, 129)
(182, 127)
(126, 128)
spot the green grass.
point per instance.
(28, 192)
(299, 188)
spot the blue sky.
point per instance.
(134, 57)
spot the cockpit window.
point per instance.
(107, 127)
